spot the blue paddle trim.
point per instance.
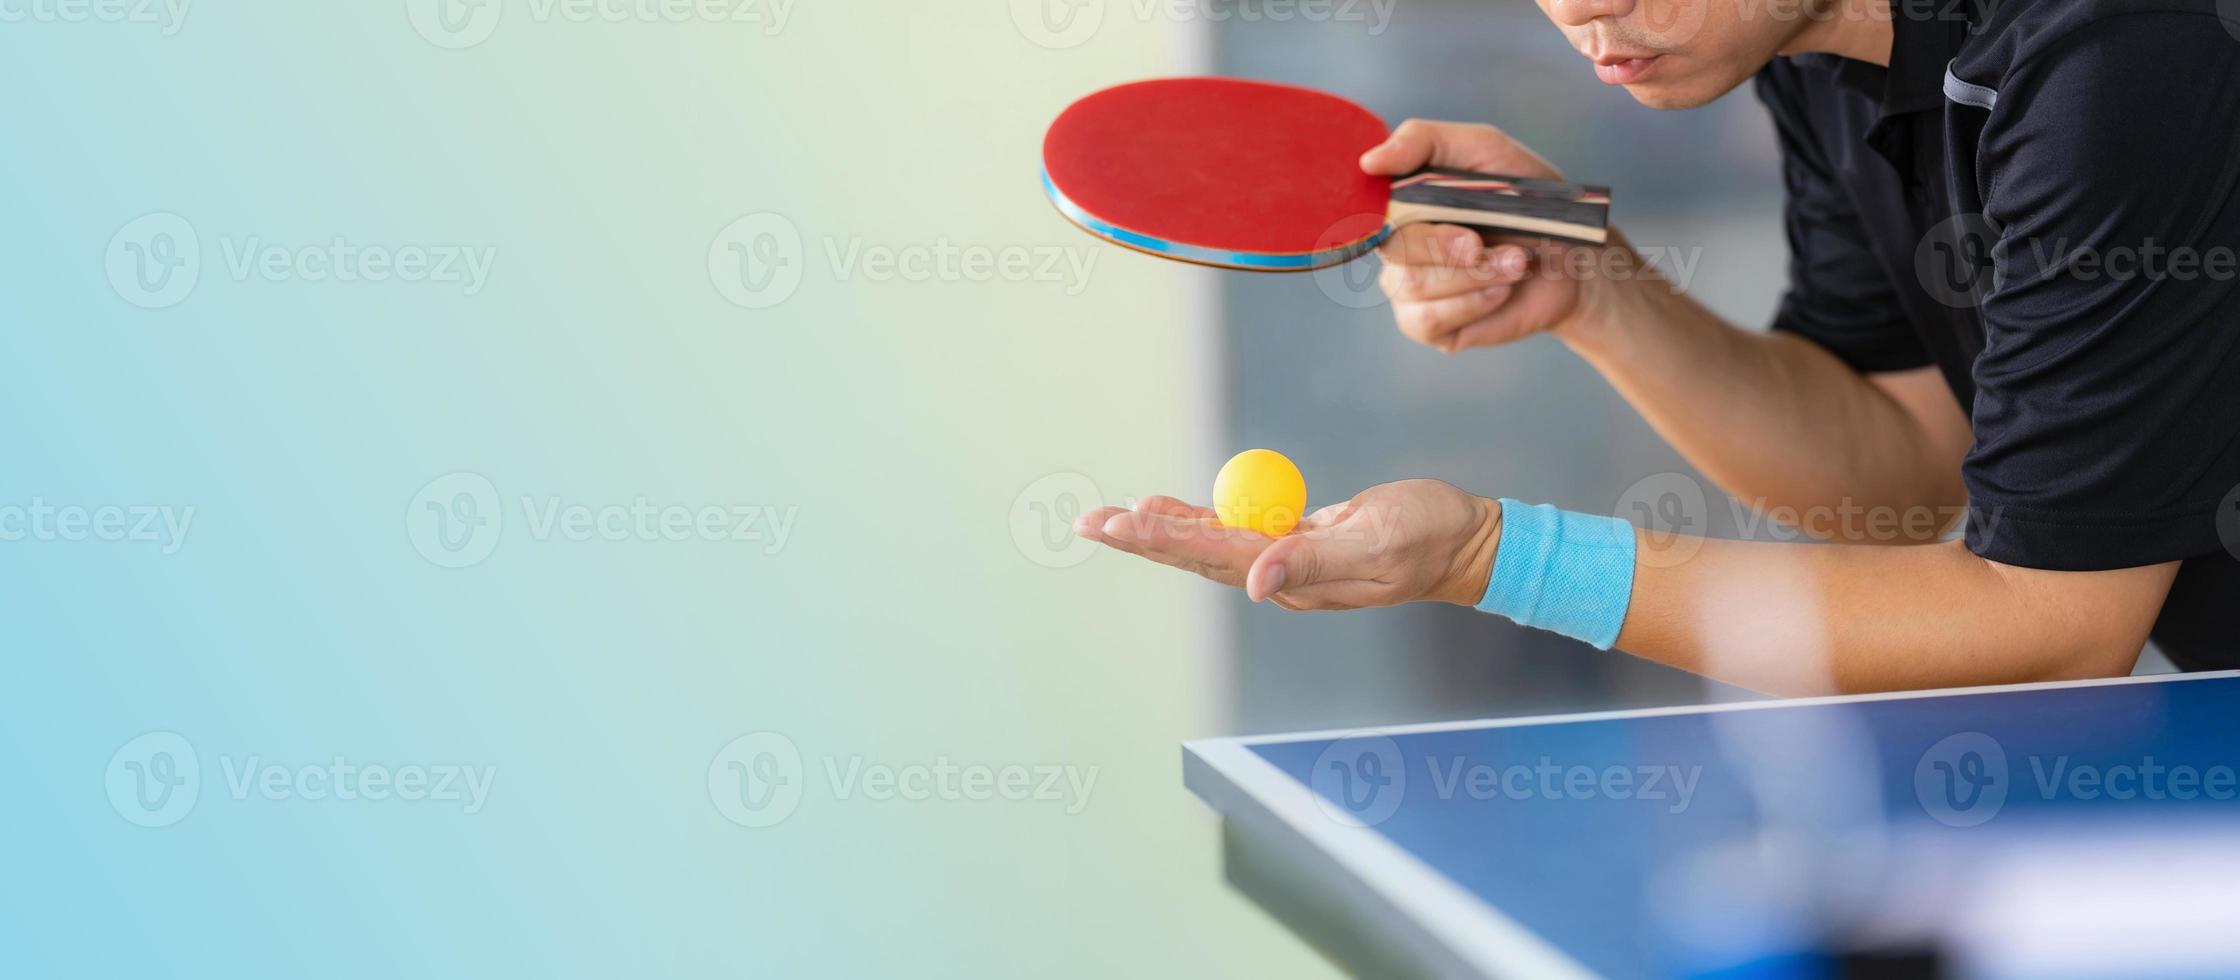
(1265, 261)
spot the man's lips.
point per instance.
(1621, 70)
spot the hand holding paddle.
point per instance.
(1453, 288)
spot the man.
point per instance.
(2012, 235)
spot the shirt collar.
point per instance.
(1925, 37)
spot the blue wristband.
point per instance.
(1563, 572)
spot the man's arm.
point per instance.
(1819, 619)
(1774, 419)
(1790, 619)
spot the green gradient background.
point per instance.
(901, 622)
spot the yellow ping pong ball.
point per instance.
(1260, 490)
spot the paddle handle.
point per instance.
(1509, 205)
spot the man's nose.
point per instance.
(1580, 13)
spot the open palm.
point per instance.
(1393, 543)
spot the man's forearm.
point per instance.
(1797, 619)
(1773, 419)
(1805, 619)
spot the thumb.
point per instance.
(1294, 561)
(1420, 143)
(1404, 152)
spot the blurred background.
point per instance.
(576, 489)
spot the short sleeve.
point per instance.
(1839, 294)
(2107, 411)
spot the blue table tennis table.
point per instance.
(2086, 828)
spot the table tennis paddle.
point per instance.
(1265, 177)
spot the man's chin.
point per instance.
(1683, 91)
(1667, 96)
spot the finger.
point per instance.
(1166, 506)
(1499, 328)
(1407, 150)
(1325, 517)
(1495, 266)
(1204, 547)
(1091, 524)
(1432, 323)
(1418, 143)
(1422, 244)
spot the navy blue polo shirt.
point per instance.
(2041, 198)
